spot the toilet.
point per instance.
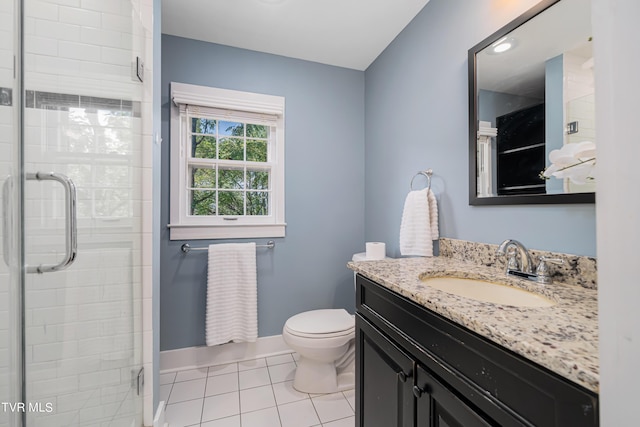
(325, 341)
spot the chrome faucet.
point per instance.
(525, 263)
(519, 262)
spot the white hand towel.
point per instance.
(419, 226)
(232, 294)
(433, 216)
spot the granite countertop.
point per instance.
(562, 338)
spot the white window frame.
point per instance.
(235, 103)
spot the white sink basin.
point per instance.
(481, 290)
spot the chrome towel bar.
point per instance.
(186, 248)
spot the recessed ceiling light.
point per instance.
(502, 45)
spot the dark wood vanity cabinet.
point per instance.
(416, 368)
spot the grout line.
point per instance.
(239, 399)
(273, 393)
(316, 410)
(202, 410)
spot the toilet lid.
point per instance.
(321, 322)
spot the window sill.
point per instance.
(202, 232)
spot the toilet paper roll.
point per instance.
(375, 250)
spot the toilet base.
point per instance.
(317, 377)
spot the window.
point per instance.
(227, 164)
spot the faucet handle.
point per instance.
(512, 259)
(543, 271)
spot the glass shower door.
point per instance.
(70, 348)
(10, 230)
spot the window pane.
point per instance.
(257, 179)
(203, 178)
(231, 129)
(258, 203)
(231, 203)
(257, 131)
(203, 147)
(231, 178)
(203, 202)
(231, 149)
(256, 151)
(199, 125)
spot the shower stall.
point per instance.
(75, 208)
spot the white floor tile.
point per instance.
(276, 360)
(220, 384)
(254, 378)
(285, 393)
(256, 398)
(191, 374)
(245, 394)
(263, 418)
(223, 369)
(187, 390)
(345, 422)
(167, 378)
(233, 421)
(332, 407)
(351, 398)
(164, 392)
(252, 364)
(184, 413)
(298, 414)
(283, 372)
(221, 406)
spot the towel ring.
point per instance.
(427, 174)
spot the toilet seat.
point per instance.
(346, 333)
(321, 324)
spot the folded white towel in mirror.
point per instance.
(419, 226)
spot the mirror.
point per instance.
(531, 92)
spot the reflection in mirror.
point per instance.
(531, 92)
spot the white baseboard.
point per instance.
(199, 357)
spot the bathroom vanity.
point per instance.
(427, 357)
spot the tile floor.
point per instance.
(255, 393)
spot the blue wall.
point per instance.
(416, 117)
(411, 108)
(324, 180)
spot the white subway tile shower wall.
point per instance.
(6, 45)
(86, 46)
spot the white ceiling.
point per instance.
(344, 33)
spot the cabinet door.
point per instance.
(437, 406)
(383, 380)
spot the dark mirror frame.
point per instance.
(473, 121)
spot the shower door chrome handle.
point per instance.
(71, 225)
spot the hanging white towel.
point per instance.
(419, 226)
(232, 302)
